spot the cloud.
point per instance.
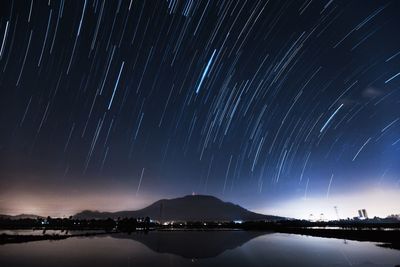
(371, 92)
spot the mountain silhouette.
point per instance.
(187, 208)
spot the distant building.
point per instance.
(364, 213)
(360, 215)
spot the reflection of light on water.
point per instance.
(47, 232)
(350, 228)
(346, 258)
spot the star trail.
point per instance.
(257, 102)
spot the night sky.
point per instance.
(279, 106)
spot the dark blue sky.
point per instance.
(117, 103)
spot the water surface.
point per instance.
(182, 248)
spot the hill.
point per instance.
(187, 208)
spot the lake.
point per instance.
(197, 248)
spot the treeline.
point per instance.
(120, 224)
(277, 225)
(132, 224)
(372, 224)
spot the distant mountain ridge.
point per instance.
(187, 208)
(20, 216)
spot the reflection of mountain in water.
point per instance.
(192, 244)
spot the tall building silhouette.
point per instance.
(364, 213)
(360, 214)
